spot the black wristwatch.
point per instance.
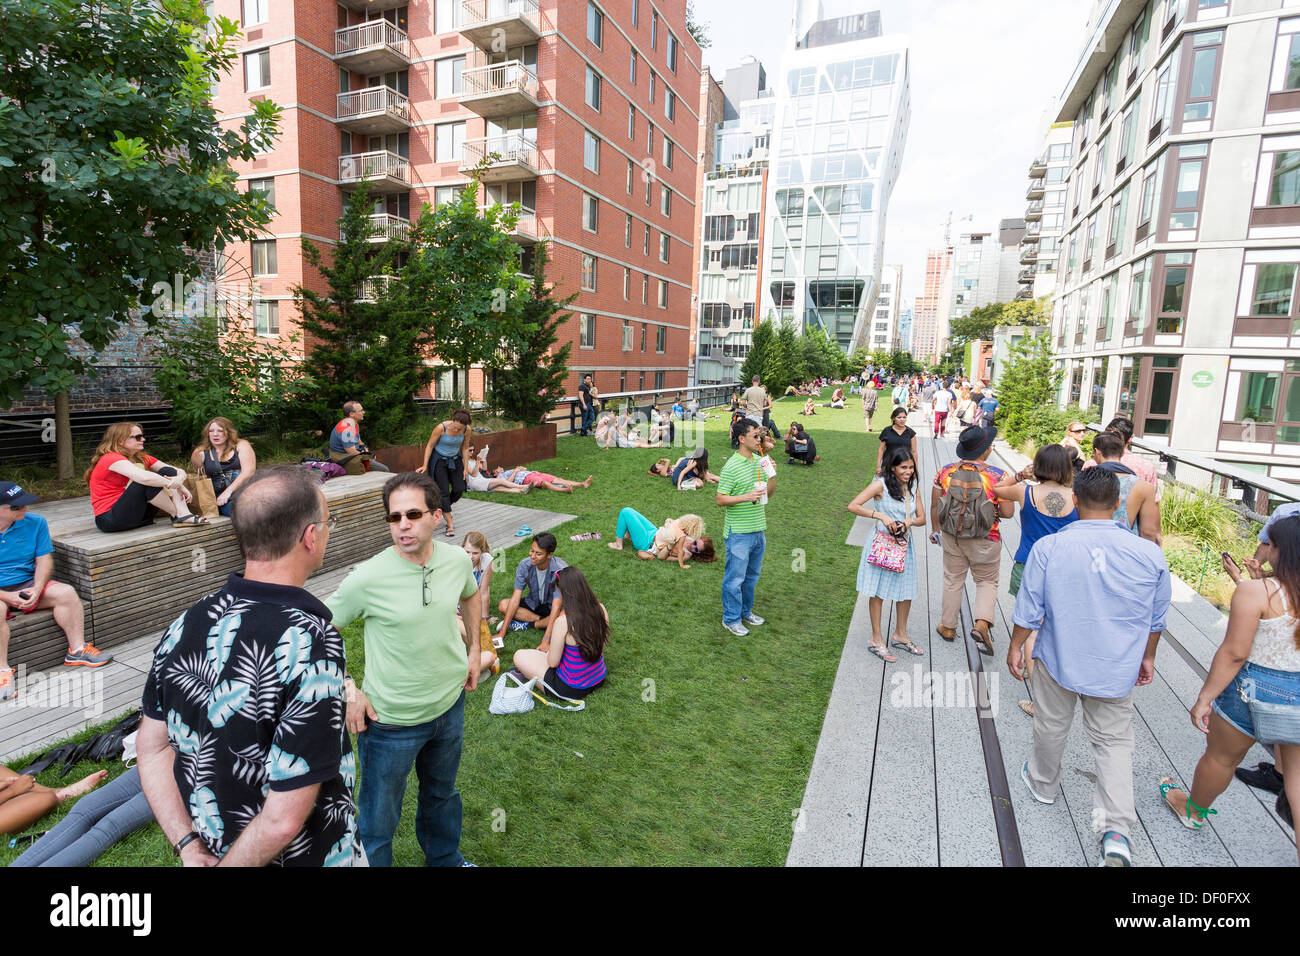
(183, 843)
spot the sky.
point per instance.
(985, 75)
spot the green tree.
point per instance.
(979, 325)
(1029, 382)
(696, 28)
(785, 365)
(367, 344)
(529, 373)
(762, 342)
(463, 279)
(113, 171)
(860, 358)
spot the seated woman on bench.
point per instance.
(129, 488)
(225, 458)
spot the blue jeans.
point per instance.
(387, 753)
(744, 564)
(588, 417)
(95, 822)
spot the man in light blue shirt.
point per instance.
(1098, 596)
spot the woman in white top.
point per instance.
(479, 477)
(1259, 661)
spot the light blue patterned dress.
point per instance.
(877, 582)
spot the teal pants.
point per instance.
(634, 523)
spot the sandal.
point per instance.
(906, 645)
(1185, 818)
(880, 651)
(189, 521)
(451, 533)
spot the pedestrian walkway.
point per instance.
(72, 699)
(919, 761)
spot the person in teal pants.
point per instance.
(636, 526)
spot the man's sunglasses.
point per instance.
(395, 516)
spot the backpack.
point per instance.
(965, 510)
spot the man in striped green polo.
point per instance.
(743, 490)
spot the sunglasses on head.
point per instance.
(395, 516)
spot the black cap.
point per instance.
(14, 496)
(975, 441)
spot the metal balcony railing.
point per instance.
(509, 149)
(509, 77)
(373, 288)
(383, 100)
(387, 227)
(477, 13)
(374, 33)
(355, 167)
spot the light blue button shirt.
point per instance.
(1094, 592)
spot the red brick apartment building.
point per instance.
(591, 107)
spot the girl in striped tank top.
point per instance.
(574, 663)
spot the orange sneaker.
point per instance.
(88, 656)
(7, 688)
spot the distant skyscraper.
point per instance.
(903, 338)
(841, 117)
(884, 324)
(938, 263)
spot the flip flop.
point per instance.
(1169, 783)
(523, 532)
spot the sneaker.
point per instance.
(738, 629)
(753, 620)
(1283, 808)
(7, 687)
(1115, 850)
(519, 625)
(468, 863)
(1024, 775)
(88, 656)
(1263, 777)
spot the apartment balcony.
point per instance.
(1037, 189)
(376, 46)
(377, 6)
(494, 24)
(374, 111)
(386, 227)
(374, 288)
(1034, 211)
(1025, 294)
(510, 158)
(527, 228)
(500, 89)
(1028, 254)
(384, 171)
(1038, 167)
(1032, 229)
(1026, 277)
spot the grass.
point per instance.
(1197, 528)
(698, 749)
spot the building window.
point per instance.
(595, 24)
(1257, 399)
(668, 153)
(1199, 103)
(267, 317)
(449, 77)
(627, 336)
(1091, 245)
(631, 175)
(1188, 184)
(627, 232)
(1118, 209)
(663, 293)
(264, 188)
(1099, 167)
(659, 380)
(1175, 281)
(650, 142)
(590, 152)
(670, 53)
(654, 30)
(589, 212)
(448, 139)
(645, 242)
(1128, 134)
(1162, 108)
(1284, 180)
(1274, 290)
(627, 283)
(663, 246)
(256, 11)
(645, 289)
(1286, 60)
(446, 194)
(264, 257)
(631, 73)
(446, 15)
(593, 89)
(643, 336)
(1139, 298)
(1160, 403)
(661, 345)
(631, 121)
(257, 70)
(649, 186)
(636, 13)
(652, 86)
(1147, 207)
(670, 105)
(589, 273)
(588, 333)
(666, 201)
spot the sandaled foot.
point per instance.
(880, 651)
(82, 786)
(1179, 801)
(189, 521)
(905, 645)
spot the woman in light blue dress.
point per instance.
(891, 501)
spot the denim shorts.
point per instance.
(1277, 700)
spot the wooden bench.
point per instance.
(137, 582)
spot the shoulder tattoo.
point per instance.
(1054, 504)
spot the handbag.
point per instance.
(887, 552)
(205, 498)
(510, 695)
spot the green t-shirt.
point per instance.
(738, 477)
(416, 662)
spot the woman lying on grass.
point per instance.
(540, 479)
(679, 539)
(689, 471)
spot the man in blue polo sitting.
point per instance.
(26, 568)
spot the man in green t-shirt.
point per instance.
(417, 671)
(743, 490)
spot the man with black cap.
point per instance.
(26, 566)
(964, 514)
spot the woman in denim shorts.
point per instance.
(1252, 692)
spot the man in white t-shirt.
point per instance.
(943, 400)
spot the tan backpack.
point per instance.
(965, 510)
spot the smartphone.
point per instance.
(25, 595)
(1228, 557)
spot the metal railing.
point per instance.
(567, 412)
(478, 12)
(509, 77)
(371, 34)
(385, 227)
(355, 167)
(374, 99)
(374, 288)
(512, 148)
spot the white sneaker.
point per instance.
(738, 629)
(753, 620)
(1024, 775)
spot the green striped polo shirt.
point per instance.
(738, 477)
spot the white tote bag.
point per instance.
(510, 696)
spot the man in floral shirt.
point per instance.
(243, 753)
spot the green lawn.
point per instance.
(698, 748)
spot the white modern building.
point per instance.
(1049, 172)
(884, 325)
(840, 124)
(1176, 301)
